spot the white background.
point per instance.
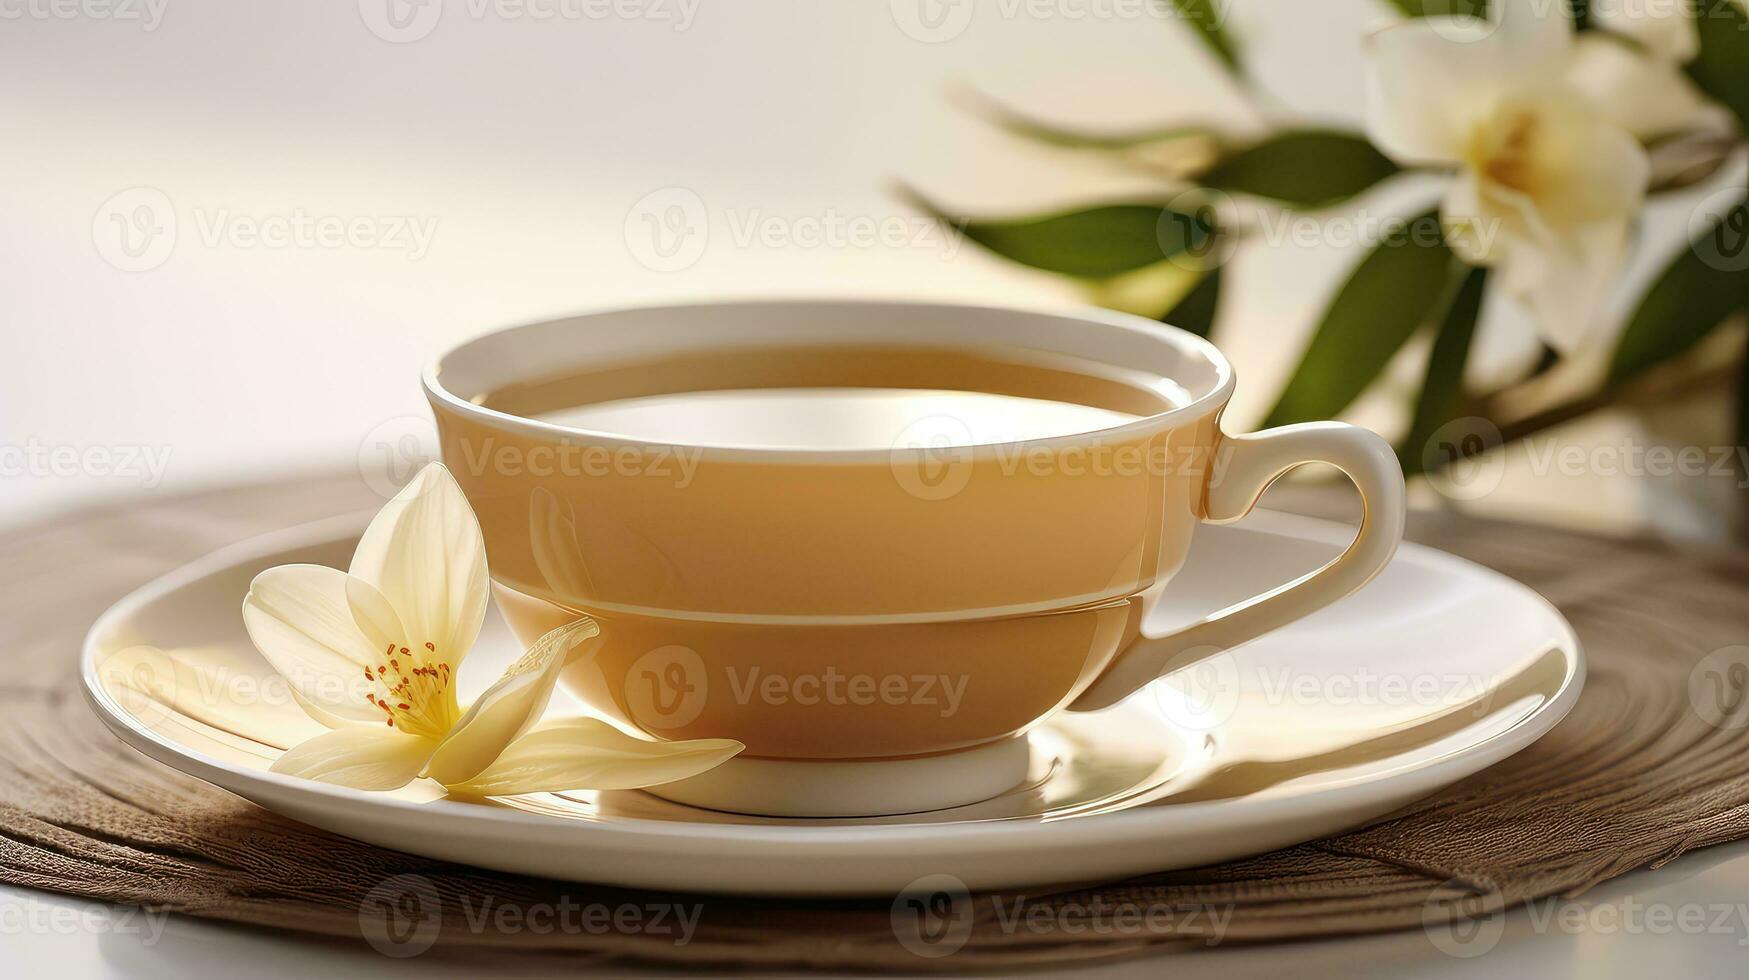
(530, 142)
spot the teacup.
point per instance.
(881, 624)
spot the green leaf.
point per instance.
(1307, 169)
(1094, 243)
(1722, 68)
(1396, 289)
(1023, 125)
(1702, 287)
(1196, 311)
(1206, 16)
(1442, 390)
(1442, 8)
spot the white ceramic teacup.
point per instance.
(738, 588)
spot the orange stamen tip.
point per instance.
(432, 647)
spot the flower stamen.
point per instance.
(416, 696)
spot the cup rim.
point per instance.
(1186, 343)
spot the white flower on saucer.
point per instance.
(1550, 177)
(373, 654)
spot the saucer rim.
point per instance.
(336, 529)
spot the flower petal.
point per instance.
(1433, 79)
(1421, 91)
(1566, 290)
(1665, 27)
(1472, 222)
(375, 616)
(299, 618)
(424, 552)
(1531, 40)
(507, 708)
(195, 686)
(362, 758)
(585, 753)
(552, 538)
(1645, 96)
(1587, 169)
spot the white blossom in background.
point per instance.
(1544, 130)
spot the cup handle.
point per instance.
(1253, 463)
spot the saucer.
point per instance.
(1435, 671)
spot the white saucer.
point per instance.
(1435, 671)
